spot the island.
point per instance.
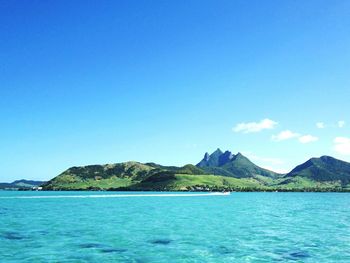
(219, 171)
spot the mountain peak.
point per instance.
(213, 159)
(239, 155)
(219, 158)
(228, 164)
(217, 151)
(326, 158)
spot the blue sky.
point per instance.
(86, 82)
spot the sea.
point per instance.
(168, 227)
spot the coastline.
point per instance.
(193, 190)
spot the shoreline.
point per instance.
(190, 191)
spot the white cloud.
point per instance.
(307, 138)
(287, 134)
(284, 135)
(341, 124)
(320, 125)
(342, 145)
(249, 127)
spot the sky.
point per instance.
(94, 82)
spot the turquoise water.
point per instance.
(242, 227)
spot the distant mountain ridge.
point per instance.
(228, 164)
(21, 184)
(216, 171)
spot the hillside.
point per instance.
(217, 171)
(115, 176)
(323, 169)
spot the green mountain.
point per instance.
(128, 175)
(217, 171)
(101, 176)
(323, 169)
(228, 164)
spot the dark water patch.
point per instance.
(299, 255)
(224, 250)
(92, 245)
(113, 250)
(102, 248)
(12, 236)
(293, 255)
(164, 241)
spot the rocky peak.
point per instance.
(217, 152)
(217, 158)
(225, 158)
(206, 156)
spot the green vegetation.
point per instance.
(68, 182)
(188, 182)
(216, 172)
(323, 169)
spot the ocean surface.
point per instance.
(134, 227)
